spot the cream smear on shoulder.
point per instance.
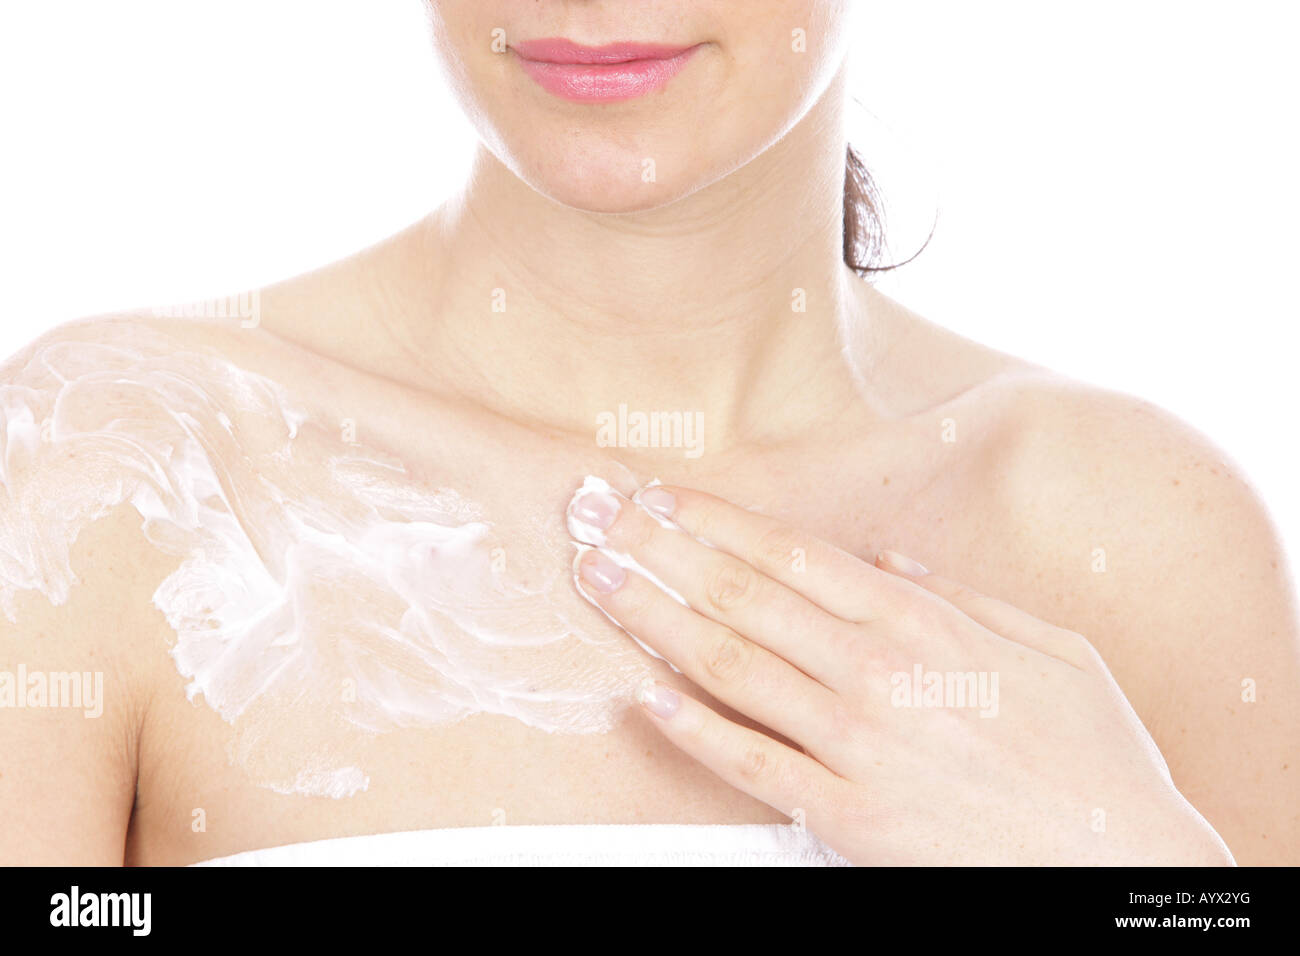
(323, 595)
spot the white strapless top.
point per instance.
(761, 844)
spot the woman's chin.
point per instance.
(619, 184)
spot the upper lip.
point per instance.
(564, 51)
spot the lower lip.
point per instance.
(606, 82)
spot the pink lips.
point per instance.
(601, 74)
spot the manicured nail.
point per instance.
(901, 564)
(660, 699)
(591, 514)
(658, 500)
(600, 571)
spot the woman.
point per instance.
(350, 513)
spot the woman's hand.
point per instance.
(937, 725)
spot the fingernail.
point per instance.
(591, 514)
(660, 699)
(901, 564)
(600, 571)
(658, 500)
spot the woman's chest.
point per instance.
(375, 642)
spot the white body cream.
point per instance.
(322, 594)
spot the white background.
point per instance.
(1116, 179)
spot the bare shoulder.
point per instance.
(82, 642)
(1105, 514)
(1114, 518)
(1115, 486)
(1132, 527)
(1088, 479)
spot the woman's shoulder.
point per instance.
(1055, 449)
(1124, 523)
(1112, 516)
(83, 641)
(1074, 456)
(1109, 487)
(108, 425)
(118, 341)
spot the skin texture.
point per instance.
(812, 642)
(833, 421)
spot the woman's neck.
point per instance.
(730, 305)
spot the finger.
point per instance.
(738, 672)
(1003, 619)
(714, 583)
(754, 763)
(826, 575)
